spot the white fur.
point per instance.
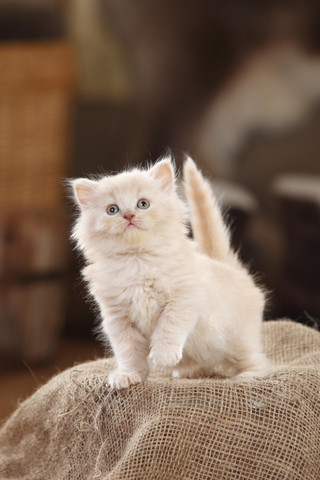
(160, 298)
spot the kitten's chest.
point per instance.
(146, 301)
(139, 289)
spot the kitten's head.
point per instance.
(132, 208)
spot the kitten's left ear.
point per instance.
(164, 171)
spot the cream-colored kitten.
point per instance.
(165, 300)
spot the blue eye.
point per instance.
(112, 209)
(143, 204)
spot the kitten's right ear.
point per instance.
(164, 172)
(83, 189)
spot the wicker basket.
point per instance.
(33, 244)
(36, 83)
(36, 89)
(31, 318)
(33, 264)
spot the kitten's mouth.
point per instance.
(131, 226)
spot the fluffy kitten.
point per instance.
(166, 300)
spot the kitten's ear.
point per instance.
(83, 189)
(164, 171)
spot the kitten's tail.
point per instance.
(209, 229)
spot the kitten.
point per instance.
(166, 300)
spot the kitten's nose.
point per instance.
(128, 216)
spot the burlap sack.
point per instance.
(75, 427)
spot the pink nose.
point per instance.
(128, 216)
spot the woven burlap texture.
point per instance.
(75, 427)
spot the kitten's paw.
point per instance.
(118, 379)
(164, 356)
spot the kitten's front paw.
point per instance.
(118, 379)
(164, 356)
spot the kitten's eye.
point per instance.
(112, 209)
(143, 204)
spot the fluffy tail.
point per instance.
(209, 229)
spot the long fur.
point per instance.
(209, 229)
(166, 301)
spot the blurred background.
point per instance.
(95, 86)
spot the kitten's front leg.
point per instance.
(130, 348)
(170, 335)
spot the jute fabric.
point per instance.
(76, 427)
